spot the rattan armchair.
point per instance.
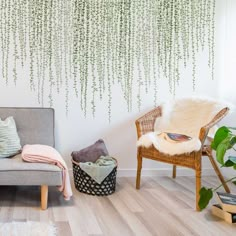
(191, 160)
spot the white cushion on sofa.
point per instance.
(9, 139)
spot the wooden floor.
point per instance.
(162, 206)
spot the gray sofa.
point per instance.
(34, 126)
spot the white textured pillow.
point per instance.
(9, 139)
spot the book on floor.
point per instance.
(227, 201)
(227, 216)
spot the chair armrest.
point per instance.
(218, 117)
(145, 123)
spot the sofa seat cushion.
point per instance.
(15, 171)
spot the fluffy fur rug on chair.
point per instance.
(182, 116)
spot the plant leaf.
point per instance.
(228, 163)
(220, 135)
(220, 153)
(234, 182)
(234, 166)
(233, 159)
(233, 128)
(233, 141)
(205, 196)
(222, 148)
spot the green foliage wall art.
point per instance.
(95, 44)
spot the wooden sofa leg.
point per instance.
(174, 172)
(44, 197)
(139, 168)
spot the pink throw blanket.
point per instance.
(47, 154)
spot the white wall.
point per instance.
(74, 131)
(227, 82)
(228, 60)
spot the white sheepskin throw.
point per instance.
(182, 116)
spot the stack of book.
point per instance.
(226, 209)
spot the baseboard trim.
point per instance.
(160, 172)
(163, 172)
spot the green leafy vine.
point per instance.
(97, 46)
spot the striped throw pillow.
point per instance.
(9, 139)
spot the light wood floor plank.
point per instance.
(130, 200)
(19, 209)
(163, 206)
(109, 219)
(59, 212)
(134, 223)
(63, 229)
(83, 203)
(7, 196)
(32, 196)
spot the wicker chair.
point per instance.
(191, 160)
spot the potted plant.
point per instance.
(223, 141)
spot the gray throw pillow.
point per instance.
(9, 139)
(90, 153)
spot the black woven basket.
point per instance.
(85, 184)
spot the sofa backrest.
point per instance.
(34, 125)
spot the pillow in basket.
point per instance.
(9, 139)
(90, 153)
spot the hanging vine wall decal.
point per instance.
(96, 44)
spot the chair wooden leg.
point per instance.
(139, 168)
(198, 187)
(217, 170)
(44, 197)
(174, 172)
(198, 173)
